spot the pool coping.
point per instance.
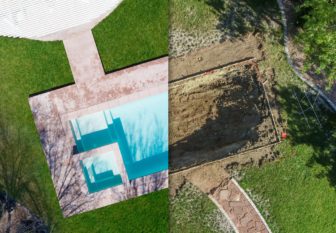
(52, 110)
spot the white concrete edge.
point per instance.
(290, 61)
(252, 204)
(223, 212)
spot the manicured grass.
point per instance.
(300, 187)
(136, 31)
(143, 214)
(29, 67)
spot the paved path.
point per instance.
(239, 208)
(230, 198)
(83, 57)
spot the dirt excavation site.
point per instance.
(218, 113)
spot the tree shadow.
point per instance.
(306, 129)
(240, 109)
(18, 182)
(238, 18)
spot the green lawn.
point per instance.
(137, 31)
(29, 67)
(299, 189)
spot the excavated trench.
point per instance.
(217, 114)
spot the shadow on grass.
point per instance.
(19, 183)
(305, 129)
(238, 18)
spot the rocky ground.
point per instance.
(182, 42)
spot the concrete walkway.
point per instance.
(83, 57)
(238, 207)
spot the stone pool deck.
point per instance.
(93, 91)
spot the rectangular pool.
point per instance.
(140, 128)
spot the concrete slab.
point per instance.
(83, 57)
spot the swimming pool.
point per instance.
(101, 172)
(140, 128)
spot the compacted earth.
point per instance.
(216, 114)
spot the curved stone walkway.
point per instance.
(239, 208)
(225, 192)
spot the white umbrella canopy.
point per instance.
(43, 19)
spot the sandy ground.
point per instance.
(217, 114)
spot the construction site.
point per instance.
(223, 115)
(218, 113)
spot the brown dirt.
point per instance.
(219, 54)
(221, 170)
(217, 114)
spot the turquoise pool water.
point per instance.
(140, 128)
(101, 172)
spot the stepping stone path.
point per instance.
(239, 208)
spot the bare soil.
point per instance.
(212, 175)
(216, 114)
(216, 55)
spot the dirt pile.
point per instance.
(216, 114)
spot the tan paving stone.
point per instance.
(224, 195)
(236, 204)
(259, 226)
(235, 197)
(240, 210)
